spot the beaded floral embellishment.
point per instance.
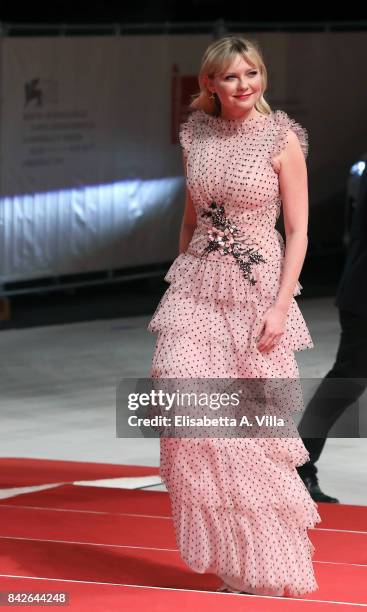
(224, 236)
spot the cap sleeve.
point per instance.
(284, 123)
(187, 131)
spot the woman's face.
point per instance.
(238, 87)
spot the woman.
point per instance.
(240, 509)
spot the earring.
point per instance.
(212, 97)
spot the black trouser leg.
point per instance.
(333, 396)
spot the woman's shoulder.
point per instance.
(195, 117)
(282, 123)
(282, 118)
(190, 126)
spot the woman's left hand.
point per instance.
(273, 328)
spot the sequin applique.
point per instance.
(224, 236)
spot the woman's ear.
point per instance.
(208, 84)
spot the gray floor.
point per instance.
(58, 390)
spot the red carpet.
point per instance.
(21, 472)
(97, 499)
(110, 598)
(68, 537)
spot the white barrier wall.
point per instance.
(91, 171)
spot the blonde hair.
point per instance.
(217, 58)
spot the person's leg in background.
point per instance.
(332, 399)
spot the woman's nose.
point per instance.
(243, 84)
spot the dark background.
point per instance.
(165, 10)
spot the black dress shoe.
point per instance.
(315, 491)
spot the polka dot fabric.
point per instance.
(240, 510)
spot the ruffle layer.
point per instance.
(230, 530)
(186, 132)
(189, 465)
(198, 120)
(286, 123)
(216, 296)
(233, 553)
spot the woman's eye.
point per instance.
(231, 76)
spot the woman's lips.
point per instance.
(243, 96)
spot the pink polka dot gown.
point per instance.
(240, 510)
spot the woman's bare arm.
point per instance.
(294, 193)
(189, 220)
(293, 184)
